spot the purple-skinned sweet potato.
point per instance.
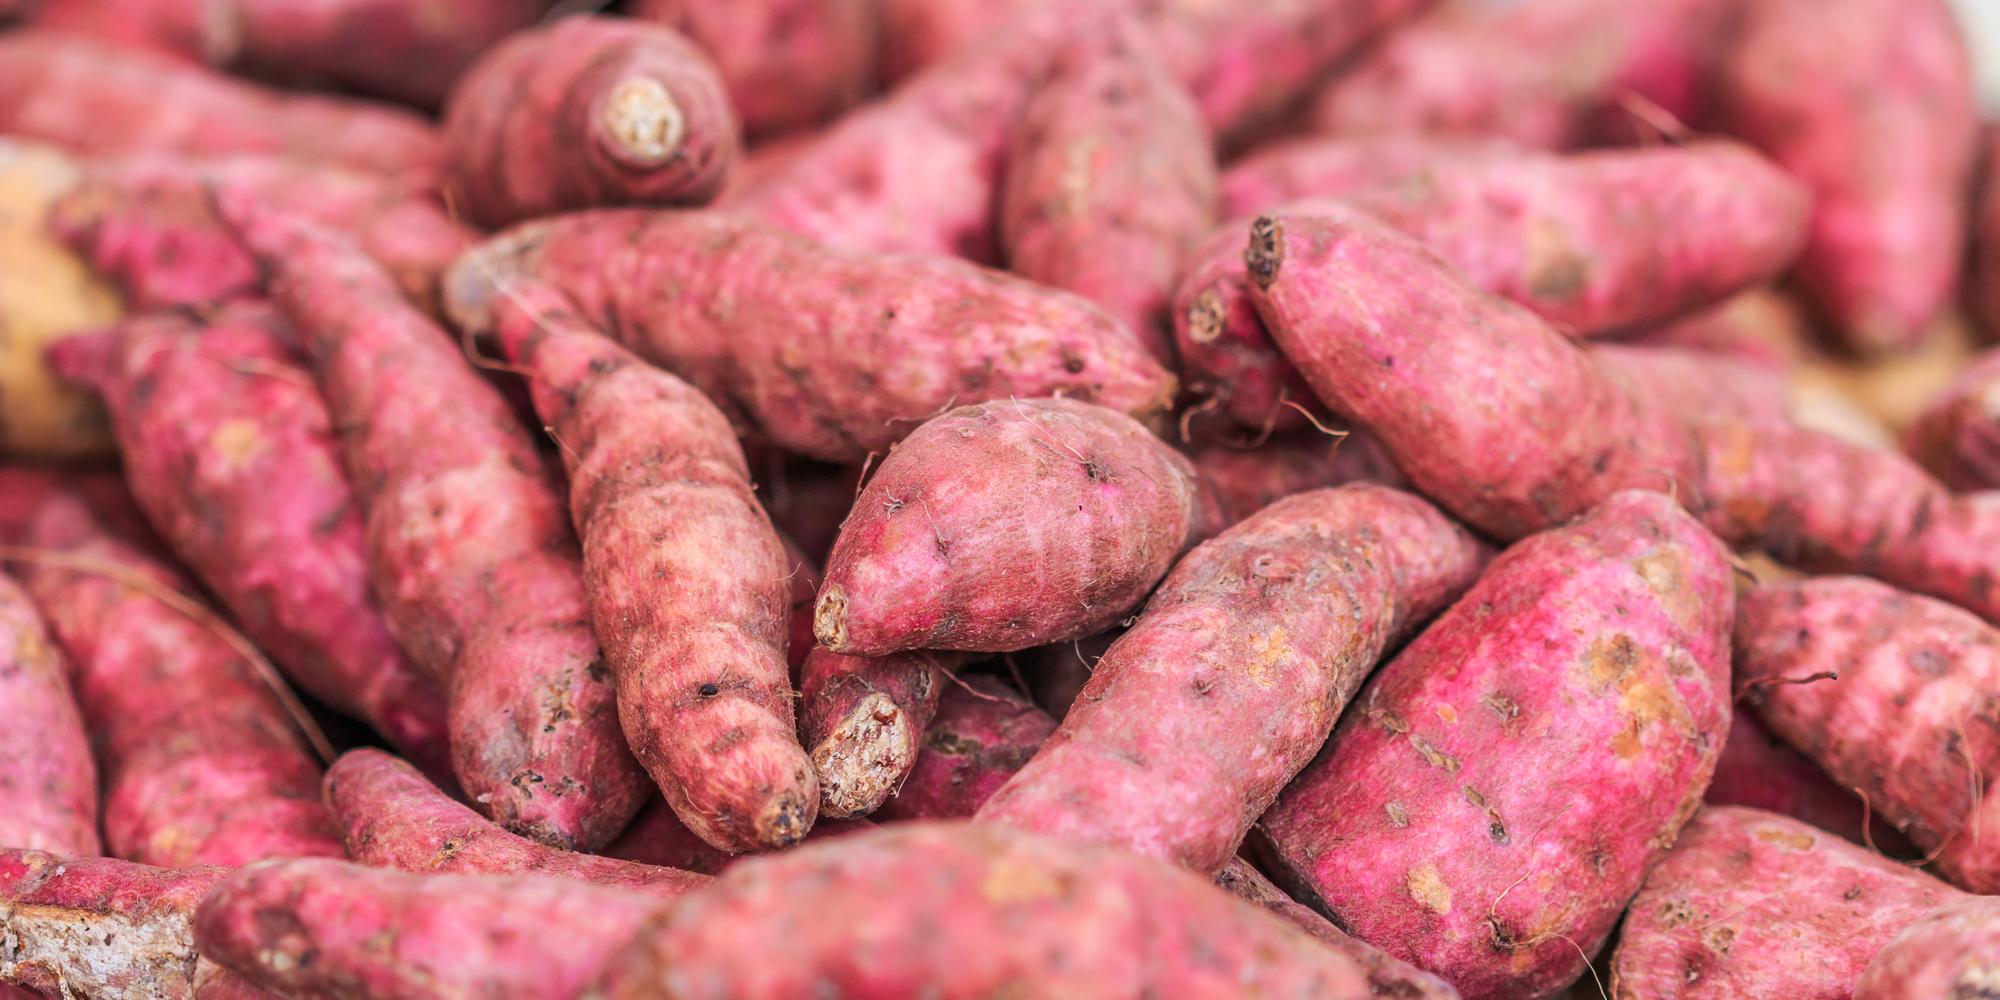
(1006, 525)
(1760, 771)
(982, 733)
(47, 776)
(864, 718)
(1958, 435)
(1255, 642)
(200, 759)
(1870, 104)
(232, 455)
(955, 911)
(689, 585)
(341, 931)
(469, 545)
(788, 63)
(1753, 904)
(1245, 480)
(1332, 166)
(1600, 651)
(1952, 952)
(1388, 976)
(391, 817)
(587, 111)
(829, 353)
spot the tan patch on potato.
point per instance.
(1448, 714)
(237, 442)
(1011, 880)
(1555, 271)
(1787, 839)
(1666, 575)
(1266, 652)
(1427, 887)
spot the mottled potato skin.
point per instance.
(1953, 952)
(788, 63)
(1387, 976)
(981, 735)
(1433, 825)
(1317, 166)
(957, 911)
(1006, 525)
(1958, 435)
(1246, 480)
(1753, 904)
(834, 354)
(1760, 771)
(47, 776)
(1234, 673)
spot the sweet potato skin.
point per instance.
(1760, 771)
(1599, 649)
(1049, 919)
(232, 455)
(1331, 166)
(788, 63)
(864, 718)
(469, 545)
(200, 762)
(1758, 326)
(1387, 976)
(1303, 596)
(1245, 480)
(1954, 951)
(46, 772)
(1983, 280)
(1957, 436)
(827, 353)
(1711, 923)
(1695, 385)
(936, 552)
(982, 733)
(343, 931)
(921, 33)
(689, 585)
(1883, 136)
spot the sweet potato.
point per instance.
(1332, 166)
(469, 546)
(46, 773)
(829, 353)
(1006, 525)
(1958, 435)
(340, 931)
(1760, 326)
(1982, 282)
(689, 584)
(231, 453)
(920, 33)
(1245, 480)
(201, 762)
(1883, 134)
(982, 733)
(1752, 904)
(1110, 181)
(99, 927)
(1387, 976)
(977, 911)
(1126, 768)
(97, 100)
(587, 111)
(864, 719)
(1759, 771)
(788, 63)
(658, 838)
(1694, 385)
(1428, 827)
(1952, 952)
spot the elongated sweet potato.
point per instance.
(864, 719)
(1953, 952)
(46, 773)
(829, 353)
(587, 111)
(1428, 827)
(1752, 904)
(201, 762)
(1332, 166)
(690, 586)
(230, 451)
(979, 911)
(1883, 135)
(1126, 769)
(97, 100)
(1245, 480)
(1388, 976)
(788, 63)
(469, 546)
(342, 931)
(1760, 771)
(1006, 525)
(982, 733)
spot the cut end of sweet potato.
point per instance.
(785, 820)
(865, 758)
(830, 618)
(643, 124)
(1266, 252)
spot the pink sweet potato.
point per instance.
(1958, 434)
(658, 838)
(231, 453)
(1759, 326)
(1006, 525)
(99, 100)
(788, 63)
(1953, 952)
(954, 911)
(339, 931)
(391, 817)
(829, 353)
(1870, 104)
(864, 718)
(1110, 181)
(47, 776)
(1329, 167)
(982, 733)
(689, 585)
(1168, 754)
(201, 762)
(1982, 282)
(921, 33)
(469, 546)
(1387, 976)
(1429, 826)
(1760, 771)
(1751, 904)
(587, 111)
(1245, 480)
(1694, 385)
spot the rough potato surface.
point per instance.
(47, 776)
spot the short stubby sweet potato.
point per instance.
(587, 111)
(689, 585)
(1870, 104)
(977, 911)
(1760, 771)
(1952, 952)
(1428, 826)
(47, 776)
(1006, 525)
(232, 455)
(982, 733)
(201, 761)
(1387, 976)
(829, 353)
(1958, 434)
(469, 546)
(864, 718)
(1331, 166)
(341, 931)
(1245, 480)
(788, 63)
(1753, 904)
(1229, 681)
